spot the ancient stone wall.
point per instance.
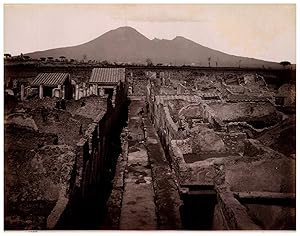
(96, 156)
(66, 181)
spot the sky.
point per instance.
(262, 31)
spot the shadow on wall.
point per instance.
(99, 152)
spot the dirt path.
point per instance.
(138, 206)
(150, 199)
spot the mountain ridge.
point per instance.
(125, 44)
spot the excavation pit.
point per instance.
(197, 211)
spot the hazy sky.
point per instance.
(260, 31)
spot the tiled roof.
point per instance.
(107, 75)
(50, 79)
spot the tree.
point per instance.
(43, 58)
(285, 64)
(149, 62)
(62, 58)
(105, 63)
(7, 55)
(26, 57)
(84, 57)
(209, 61)
(50, 58)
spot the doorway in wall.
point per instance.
(109, 92)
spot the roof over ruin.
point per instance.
(50, 79)
(107, 75)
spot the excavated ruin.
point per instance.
(177, 149)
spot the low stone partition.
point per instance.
(197, 173)
(208, 144)
(252, 132)
(211, 172)
(235, 213)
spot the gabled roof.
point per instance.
(107, 75)
(50, 79)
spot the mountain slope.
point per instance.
(125, 44)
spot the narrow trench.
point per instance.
(196, 213)
(89, 213)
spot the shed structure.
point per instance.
(105, 80)
(53, 85)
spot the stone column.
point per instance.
(22, 92)
(76, 92)
(96, 89)
(101, 91)
(60, 92)
(89, 91)
(41, 91)
(80, 93)
(63, 92)
(84, 92)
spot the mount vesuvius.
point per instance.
(125, 44)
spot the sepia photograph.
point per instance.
(150, 117)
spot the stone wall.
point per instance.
(163, 117)
(96, 158)
(211, 172)
(60, 186)
(137, 80)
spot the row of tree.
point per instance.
(149, 62)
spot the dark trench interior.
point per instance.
(197, 211)
(89, 213)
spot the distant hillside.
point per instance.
(125, 44)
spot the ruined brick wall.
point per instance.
(96, 156)
(163, 122)
(190, 80)
(137, 80)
